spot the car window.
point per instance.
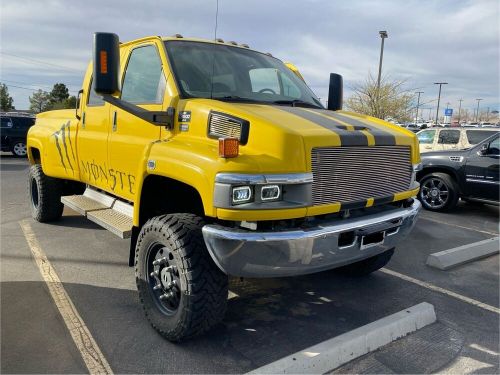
(6, 122)
(477, 136)
(494, 147)
(23, 122)
(94, 100)
(426, 137)
(449, 137)
(144, 79)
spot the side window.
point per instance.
(94, 99)
(449, 137)
(426, 137)
(477, 136)
(6, 122)
(265, 79)
(494, 148)
(144, 79)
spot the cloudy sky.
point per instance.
(456, 41)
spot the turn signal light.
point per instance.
(104, 62)
(229, 147)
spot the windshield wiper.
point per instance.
(297, 103)
(235, 98)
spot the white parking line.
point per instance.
(442, 290)
(89, 350)
(458, 226)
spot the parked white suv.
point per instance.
(438, 139)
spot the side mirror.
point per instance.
(484, 149)
(106, 63)
(335, 92)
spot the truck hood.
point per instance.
(338, 128)
(285, 133)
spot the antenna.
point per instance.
(213, 57)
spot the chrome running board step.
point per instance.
(104, 210)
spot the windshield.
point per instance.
(206, 70)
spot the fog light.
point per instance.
(242, 194)
(270, 192)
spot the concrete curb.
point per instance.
(339, 350)
(447, 259)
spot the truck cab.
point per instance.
(218, 160)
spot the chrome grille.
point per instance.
(223, 126)
(353, 174)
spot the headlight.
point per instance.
(242, 194)
(262, 191)
(270, 193)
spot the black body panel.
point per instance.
(475, 170)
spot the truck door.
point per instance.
(92, 139)
(482, 171)
(143, 84)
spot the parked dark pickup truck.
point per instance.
(471, 174)
(14, 128)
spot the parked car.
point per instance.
(439, 139)
(13, 130)
(471, 174)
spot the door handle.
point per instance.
(83, 120)
(114, 121)
(428, 147)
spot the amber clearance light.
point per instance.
(229, 147)
(104, 62)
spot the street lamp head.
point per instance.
(383, 34)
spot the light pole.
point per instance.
(383, 35)
(459, 109)
(418, 103)
(477, 112)
(439, 98)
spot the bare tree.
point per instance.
(393, 99)
(40, 101)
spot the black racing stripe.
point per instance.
(382, 137)
(347, 137)
(383, 200)
(353, 205)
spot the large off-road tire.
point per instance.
(438, 192)
(45, 195)
(182, 291)
(367, 266)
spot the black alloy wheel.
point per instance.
(438, 192)
(163, 277)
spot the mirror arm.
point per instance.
(78, 103)
(159, 118)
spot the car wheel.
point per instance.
(45, 195)
(367, 266)
(181, 289)
(18, 148)
(438, 192)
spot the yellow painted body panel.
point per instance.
(115, 159)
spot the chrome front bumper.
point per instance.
(247, 253)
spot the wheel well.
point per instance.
(163, 195)
(426, 171)
(35, 155)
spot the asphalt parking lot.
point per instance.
(266, 319)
